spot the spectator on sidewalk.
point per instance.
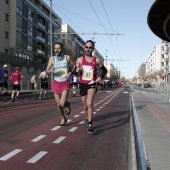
(44, 84)
(3, 81)
(33, 82)
(16, 83)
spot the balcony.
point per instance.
(40, 52)
(41, 38)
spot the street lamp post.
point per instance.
(106, 61)
(51, 38)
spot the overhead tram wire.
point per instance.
(82, 17)
(102, 25)
(110, 26)
(71, 21)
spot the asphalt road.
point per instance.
(30, 138)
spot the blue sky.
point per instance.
(127, 17)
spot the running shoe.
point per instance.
(68, 108)
(16, 98)
(12, 100)
(5, 99)
(39, 97)
(89, 128)
(63, 122)
(44, 96)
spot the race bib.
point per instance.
(87, 73)
(61, 72)
(16, 82)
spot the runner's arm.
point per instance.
(49, 68)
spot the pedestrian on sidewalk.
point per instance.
(87, 68)
(59, 66)
(16, 76)
(33, 82)
(43, 84)
(4, 81)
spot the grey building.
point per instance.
(25, 35)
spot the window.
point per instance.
(6, 51)
(6, 34)
(30, 29)
(19, 23)
(30, 44)
(6, 17)
(6, 1)
(162, 55)
(162, 63)
(30, 15)
(19, 8)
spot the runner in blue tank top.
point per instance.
(3, 81)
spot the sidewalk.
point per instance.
(153, 113)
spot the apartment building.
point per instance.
(158, 60)
(25, 34)
(72, 42)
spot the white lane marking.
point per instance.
(101, 107)
(38, 138)
(108, 91)
(76, 116)
(69, 120)
(37, 157)
(82, 122)
(82, 112)
(9, 155)
(97, 109)
(125, 92)
(73, 129)
(105, 103)
(94, 112)
(56, 128)
(61, 138)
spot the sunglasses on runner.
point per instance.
(89, 47)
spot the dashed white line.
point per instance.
(94, 113)
(82, 122)
(76, 116)
(37, 157)
(56, 128)
(38, 138)
(97, 109)
(73, 129)
(11, 154)
(82, 112)
(69, 120)
(60, 139)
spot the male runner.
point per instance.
(59, 65)
(3, 81)
(16, 84)
(87, 68)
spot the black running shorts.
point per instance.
(85, 87)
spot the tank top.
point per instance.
(61, 68)
(88, 74)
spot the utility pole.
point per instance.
(106, 61)
(51, 37)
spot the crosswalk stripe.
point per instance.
(73, 129)
(60, 139)
(38, 138)
(11, 154)
(37, 157)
